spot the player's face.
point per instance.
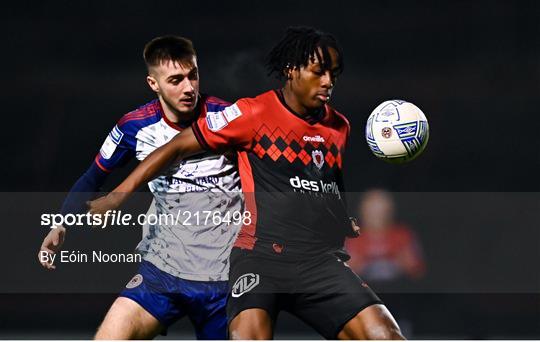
(177, 84)
(312, 84)
(376, 210)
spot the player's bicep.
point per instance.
(231, 127)
(181, 146)
(185, 144)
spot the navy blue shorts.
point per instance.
(169, 298)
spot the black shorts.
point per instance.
(322, 291)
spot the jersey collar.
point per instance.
(310, 119)
(180, 126)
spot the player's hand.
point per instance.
(103, 204)
(355, 227)
(51, 245)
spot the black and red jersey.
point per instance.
(290, 169)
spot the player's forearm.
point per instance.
(149, 168)
(83, 190)
(181, 146)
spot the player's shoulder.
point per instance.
(214, 104)
(337, 119)
(144, 115)
(259, 102)
(268, 98)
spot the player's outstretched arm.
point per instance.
(52, 244)
(83, 189)
(181, 146)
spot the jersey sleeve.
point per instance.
(231, 127)
(117, 149)
(83, 190)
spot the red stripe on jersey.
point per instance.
(103, 168)
(246, 237)
(216, 100)
(142, 113)
(140, 116)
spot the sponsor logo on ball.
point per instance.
(386, 132)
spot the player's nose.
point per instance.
(189, 88)
(327, 80)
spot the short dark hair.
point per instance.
(173, 48)
(298, 46)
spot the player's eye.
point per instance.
(194, 75)
(176, 80)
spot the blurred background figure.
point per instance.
(388, 255)
(386, 251)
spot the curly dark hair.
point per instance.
(299, 45)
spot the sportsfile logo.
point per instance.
(303, 185)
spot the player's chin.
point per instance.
(186, 108)
(318, 102)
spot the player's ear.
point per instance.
(152, 82)
(287, 72)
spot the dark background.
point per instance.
(72, 69)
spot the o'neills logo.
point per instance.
(316, 138)
(244, 284)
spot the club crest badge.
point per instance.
(318, 158)
(386, 132)
(135, 281)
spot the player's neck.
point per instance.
(292, 102)
(177, 117)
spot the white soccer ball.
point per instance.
(397, 131)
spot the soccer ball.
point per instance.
(397, 131)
